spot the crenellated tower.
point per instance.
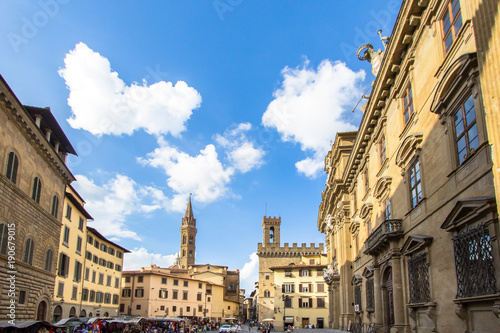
(188, 238)
(271, 228)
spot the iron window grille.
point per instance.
(474, 262)
(370, 302)
(418, 277)
(357, 296)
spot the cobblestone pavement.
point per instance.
(298, 330)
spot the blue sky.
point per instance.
(234, 101)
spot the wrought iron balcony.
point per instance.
(387, 230)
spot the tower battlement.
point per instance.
(312, 248)
(271, 220)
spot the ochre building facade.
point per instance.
(409, 210)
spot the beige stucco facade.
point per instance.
(173, 292)
(33, 178)
(405, 207)
(304, 286)
(271, 254)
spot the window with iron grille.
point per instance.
(452, 22)
(357, 296)
(474, 262)
(466, 135)
(418, 278)
(370, 301)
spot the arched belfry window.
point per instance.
(190, 239)
(271, 235)
(184, 239)
(183, 253)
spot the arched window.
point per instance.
(190, 239)
(83, 313)
(183, 253)
(28, 251)
(190, 254)
(55, 206)
(48, 260)
(184, 239)
(106, 314)
(3, 238)
(37, 189)
(72, 312)
(12, 165)
(57, 314)
(271, 235)
(267, 293)
(90, 314)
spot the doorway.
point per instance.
(305, 322)
(320, 323)
(389, 299)
(41, 312)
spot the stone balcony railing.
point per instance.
(389, 229)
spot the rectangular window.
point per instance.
(96, 244)
(408, 103)
(102, 262)
(79, 245)
(163, 293)
(319, 272)
(111, 251)
(174, 308)
(163, 280)
(176, 282)
(415, 185)
(140, 279)
(74, 292)
(184, 295)
(88, 255)
(63, 265)
(108, 281)
(288, 273)
(127, 279)
(68, 212)
(387, 209)
(60, 289)
(370, 300)
(126, 292)
(66, 236)
(107, 298)
(80, 224)
(474, 262)
(452, 22)
(93, 276)
(87, 274)
(200, 308)
(95, 259)
(188, 309)
(418, 278)
(320, 302)
(139, 292)
(383, 151)
(305, 302)
(85, 294)
(22, 297)
(118, 254)
(198, 297)
(77, 276)
(288, 302)
(118, 268)
(175, 294)
(115, 299)
(320, 287)
(288, 288)
(200, 285)
(185, 283)
(92, 296)
(101, 278)
(305, 272)
(104, 248)
(117, 282)
(466, 137)
(138, 307)
(109, 264)
(90, 240)
(99, 297)
(357, 297)
(304, 288)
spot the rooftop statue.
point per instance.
(368, 53)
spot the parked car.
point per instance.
(226, 329)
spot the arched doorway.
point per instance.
(83, 313)
(388, 299)
(72, 312)
(41, 311)
(106, 314)
(57, 314)
(90, 314)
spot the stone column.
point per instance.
(399, 307)
(331, 306)
(377, 293)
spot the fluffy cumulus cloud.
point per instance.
(308, 108)
(140, 257)
(205, 175)
(102, 103)
(249, 274)
(241, 153)
(110, 204)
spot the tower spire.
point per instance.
(188, 237)
(189, 209)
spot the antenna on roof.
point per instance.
(265, 212)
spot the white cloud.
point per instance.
(111, 203)
(103, 104)
(140, 257)
(308, 108)
(241, 153)
(249, 274)
(203, 174)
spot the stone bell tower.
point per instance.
(188, 237)
(271, 228)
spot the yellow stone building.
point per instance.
(90, 266)
(301, 296)
(409, 209)
(184, 289)
(272, 254)
(33, 178)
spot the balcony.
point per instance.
(389, 229)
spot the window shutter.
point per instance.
(159, 293)
(300, 302)
(61, 264)
(293, 288)
(282, 288)
(310, 274)
(310, 288)
(310, 302)
(300, 287)
(66, 266)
